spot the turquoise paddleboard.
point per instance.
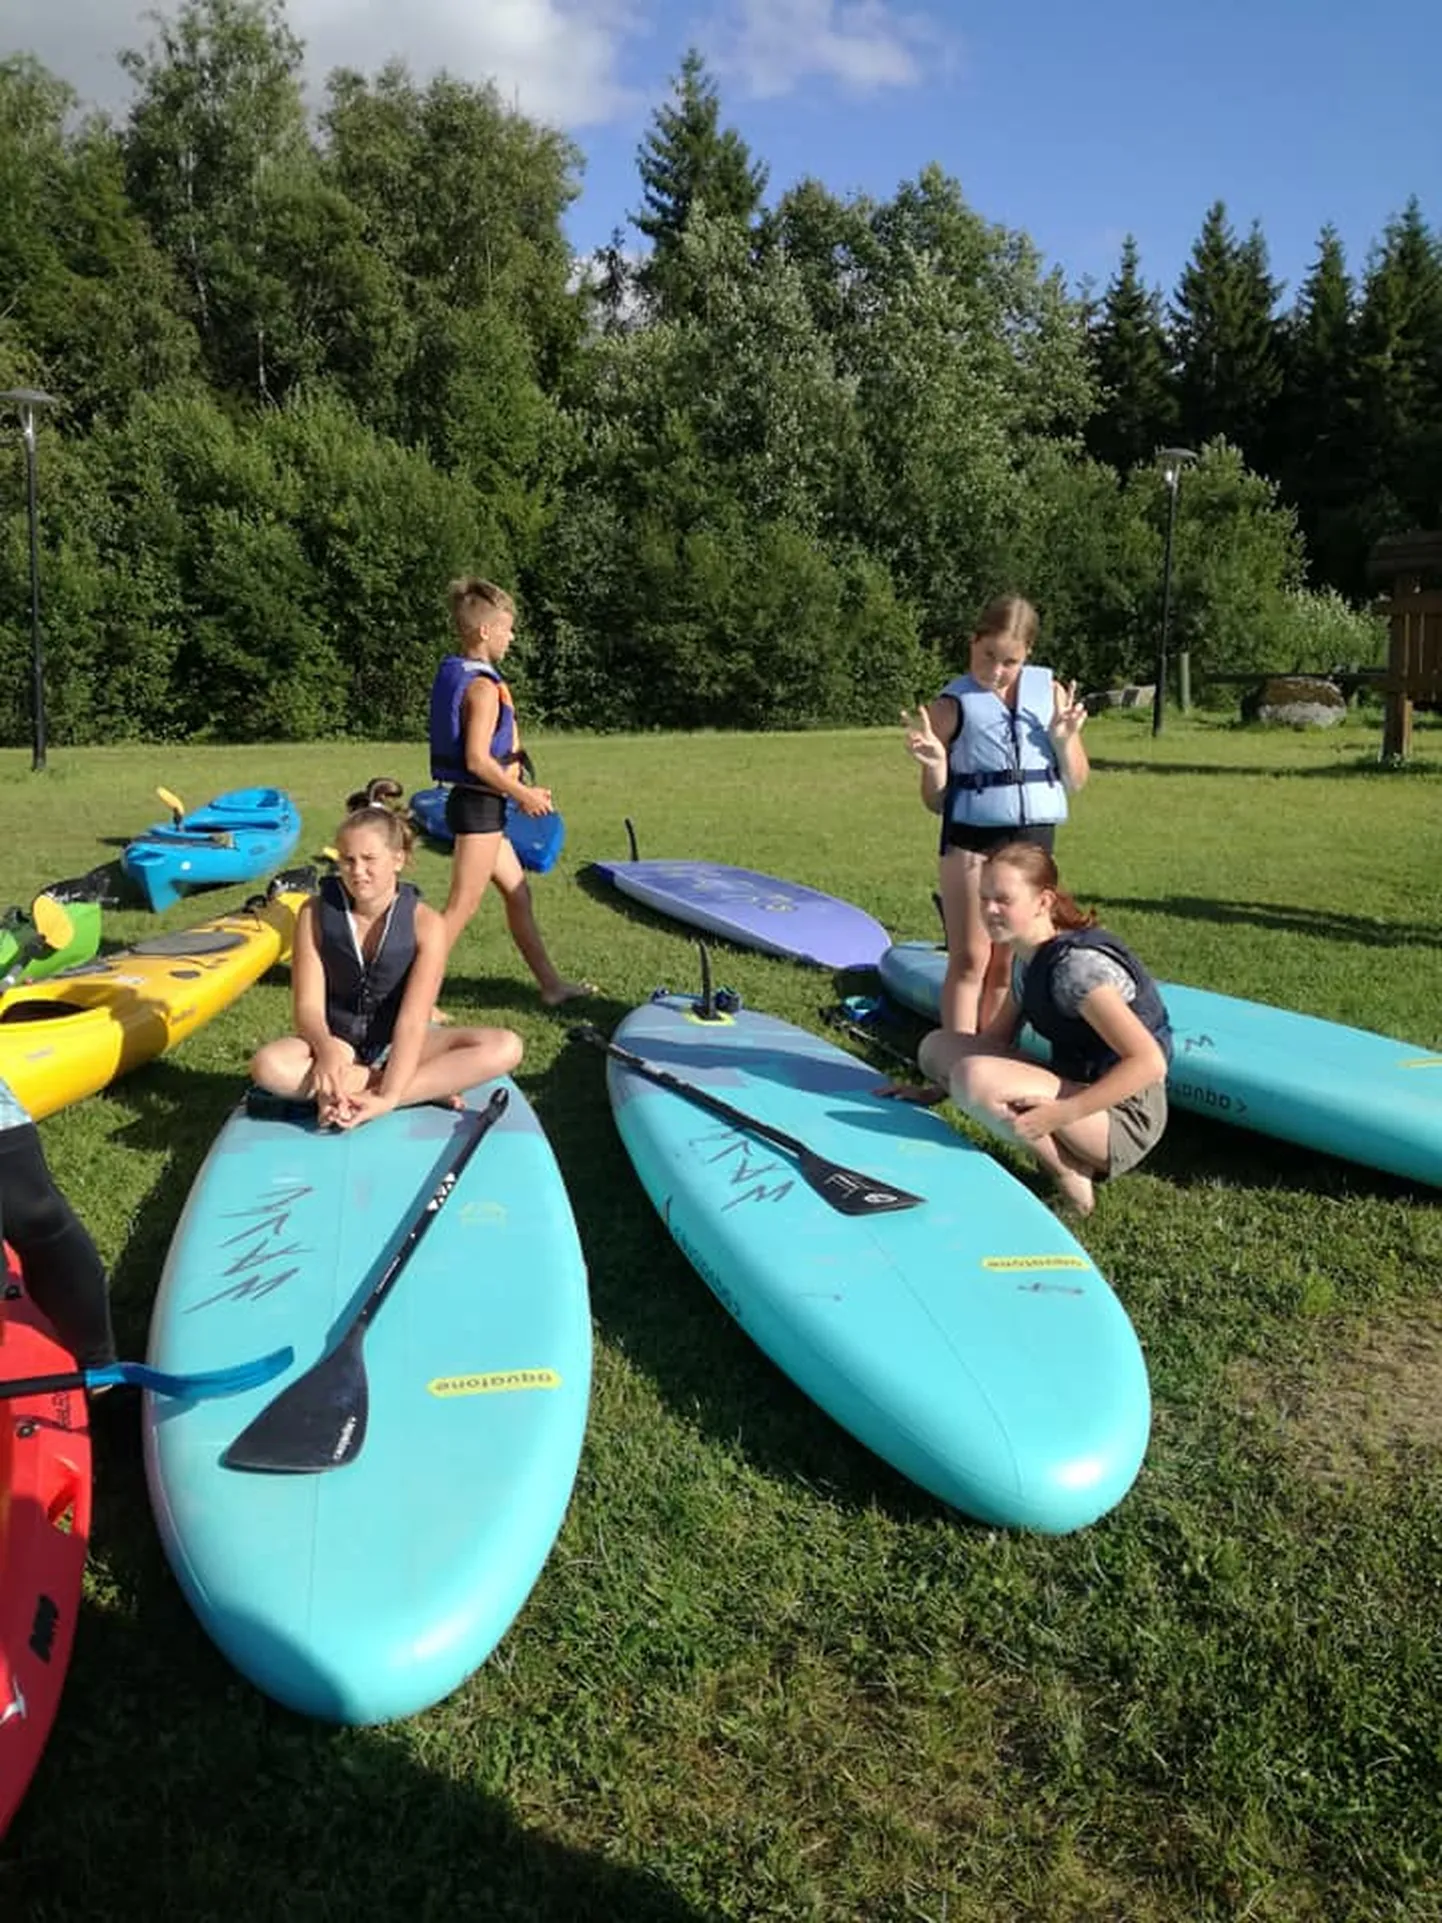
(1344, 1091)
(969, 1341)
(367, 1592)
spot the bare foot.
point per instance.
(438, 1016)
(567, 992)
(1078, 1190)
(922, 1095)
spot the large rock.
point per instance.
(1296, 701)
(1130, 697)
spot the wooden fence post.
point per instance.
(1411, 565)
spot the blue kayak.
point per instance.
(537, 839)
(370, 1590)
(237, 837)
(1345, 1091)
(970, 1341)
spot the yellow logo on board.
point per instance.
(1422, 1061)
(1035, 1262)
(497, 1382)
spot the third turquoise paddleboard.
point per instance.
(1345, 1091)
(969, 1341)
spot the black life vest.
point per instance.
(363, 998)
(1077, 1051)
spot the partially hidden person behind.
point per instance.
(1000, 750)
(476, 747)
(367, 965)
(63, 1272)
(1101, 1105)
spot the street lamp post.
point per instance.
(1171, 460)
(27, 400)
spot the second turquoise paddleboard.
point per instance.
(970, 1341)
(370, 1591)
(1344, 1091)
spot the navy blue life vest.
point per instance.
(1002, 769)
(448, 736)
(363, 999)
(1077, 1051)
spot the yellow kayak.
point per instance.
(64, 1038)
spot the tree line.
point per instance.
(759, 469)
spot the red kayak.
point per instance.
(44, 1531)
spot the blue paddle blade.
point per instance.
(197, 1387)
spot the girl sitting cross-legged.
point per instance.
(368, 961)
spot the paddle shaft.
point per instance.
(702, 1097)
(846, 1190)
(428, 1212)
(139, 1375)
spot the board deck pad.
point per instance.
(971, 1342)
(1346, 1092)
(369, 1592)
(784, 918)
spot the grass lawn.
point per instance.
(762, 1676)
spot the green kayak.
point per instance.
(17, 943)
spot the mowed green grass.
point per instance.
(762, 1676)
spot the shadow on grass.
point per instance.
(1328, 924)
(1361, 768)
(1197, 1153)
(172, 1787)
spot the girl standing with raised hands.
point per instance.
(366, 969)
(1101, 1105)
(1000, 750)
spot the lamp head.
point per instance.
(1171, 460)
(26, 400)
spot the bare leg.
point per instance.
(472, 865)
(967, 956)
(515, 890)
(968, 946)
(287, 1068)
(458, 1059)
(985, 1086)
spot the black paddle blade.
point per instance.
(318, 1423)
(851, 1193)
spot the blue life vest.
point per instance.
(1077, 1051)
(363, 999)
(448, 736)
(1002, 769)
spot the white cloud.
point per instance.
(561, 61)
(865, 45)
(558, 60)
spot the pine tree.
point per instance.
(1132, 361)
(1226, 340)
(1399, 351)
(688, 160)
(1318, 415)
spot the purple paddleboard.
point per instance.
(783, 918)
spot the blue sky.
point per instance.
(1077, 123)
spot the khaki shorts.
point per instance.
(1136, 1126)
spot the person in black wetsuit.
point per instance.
(61, 1265)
